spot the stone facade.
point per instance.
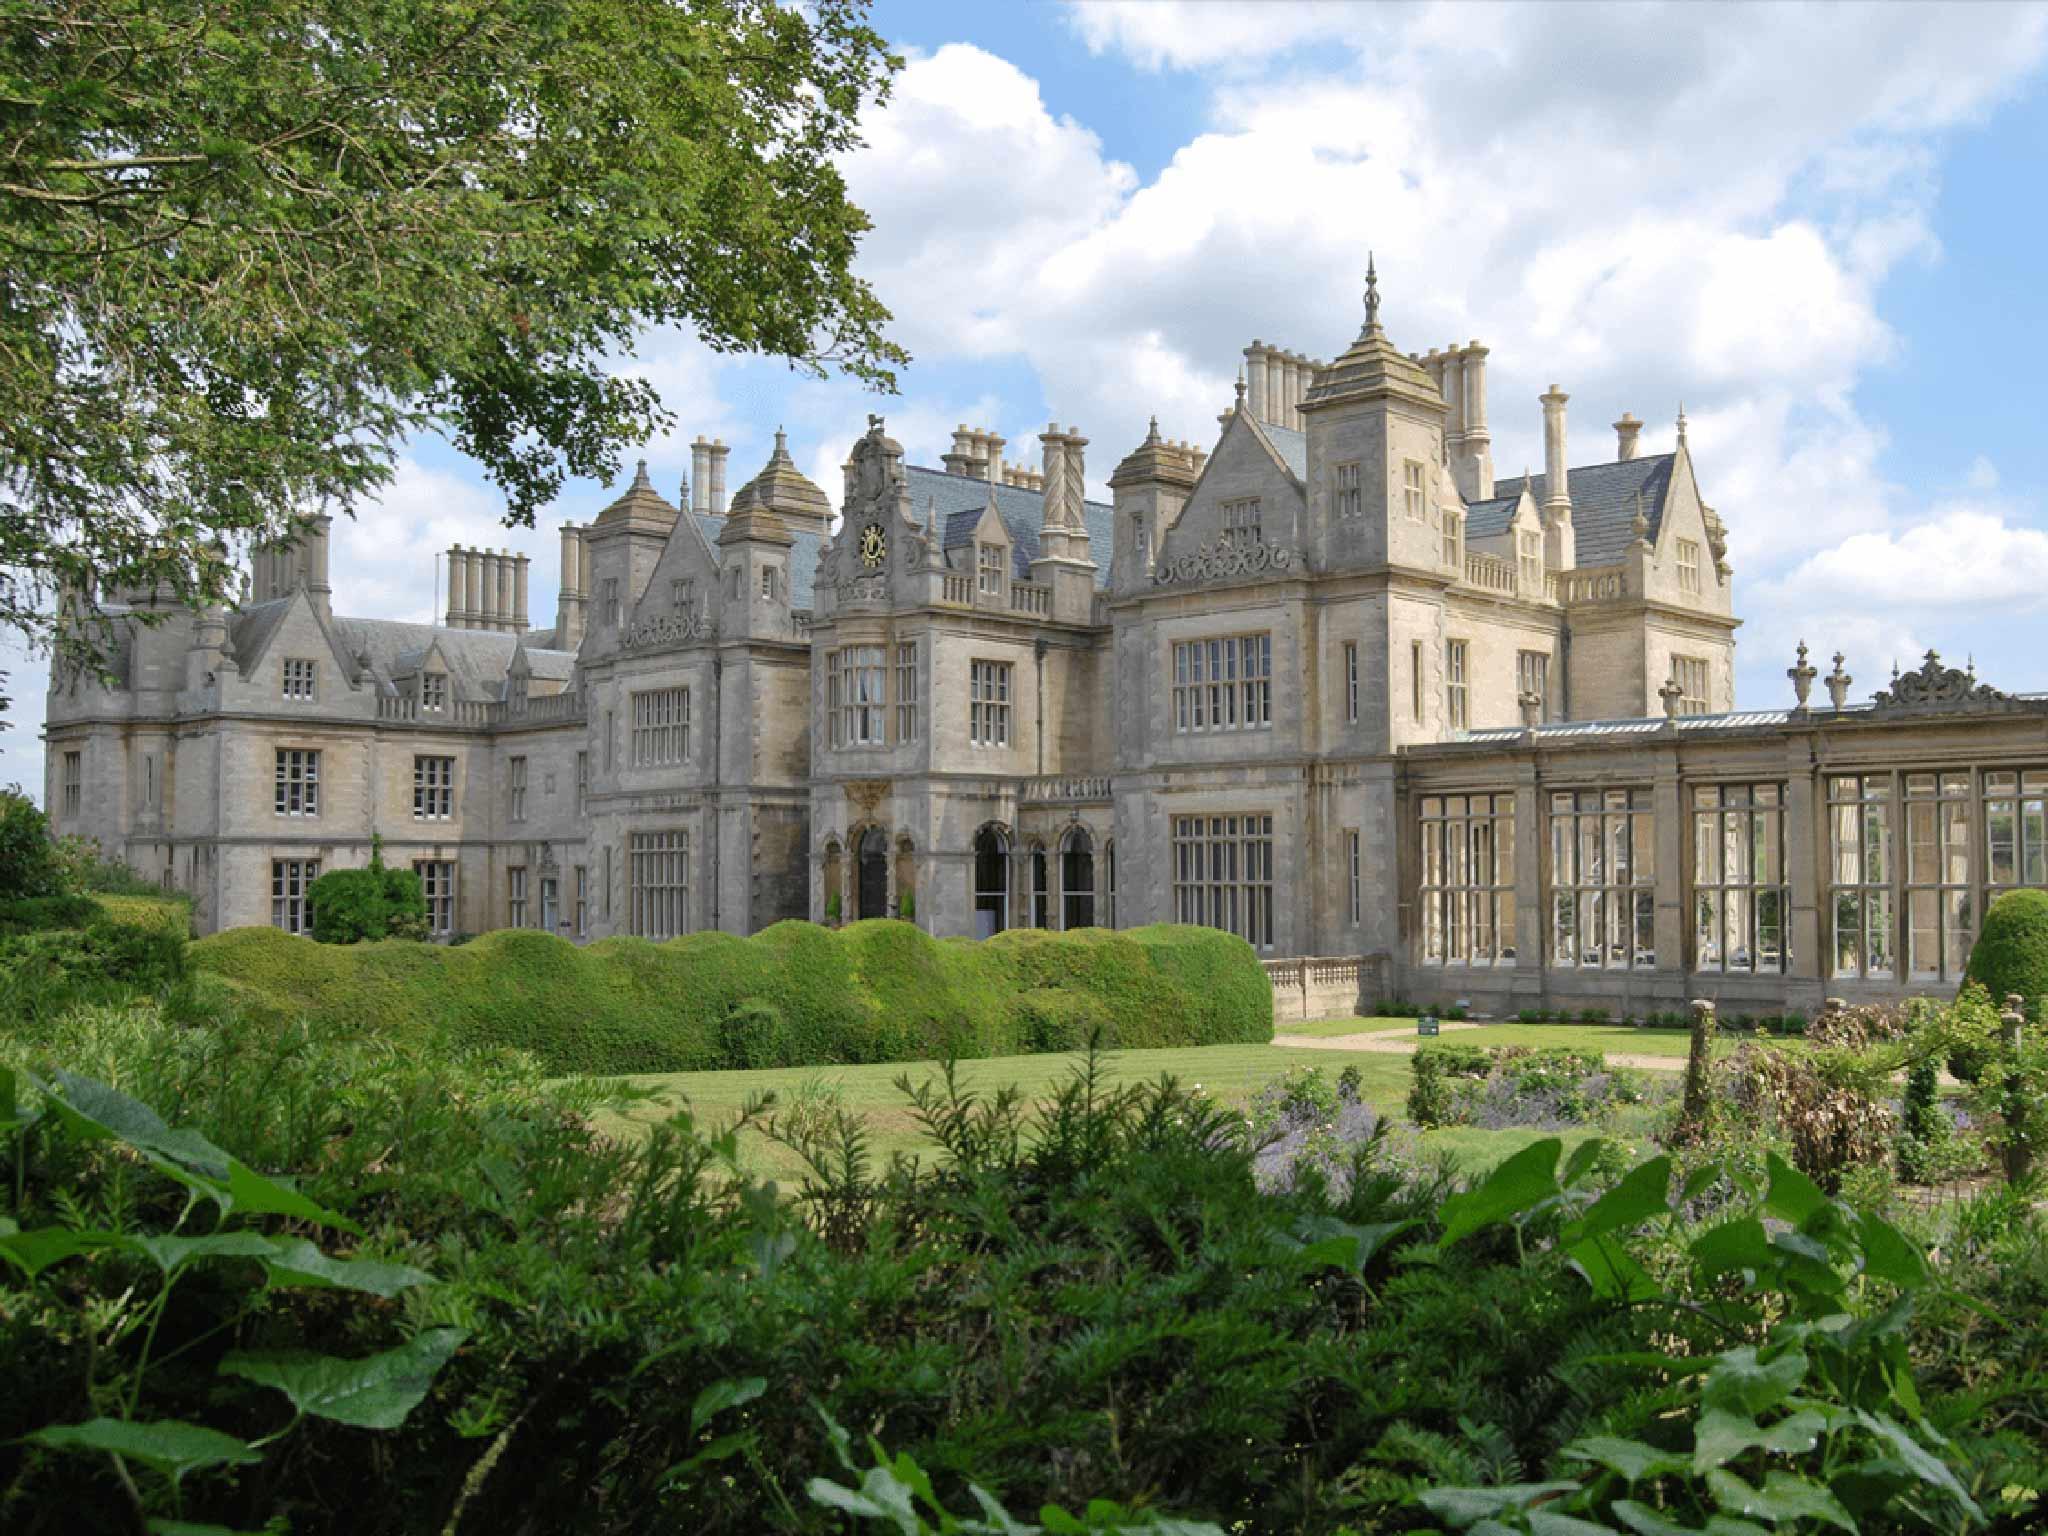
(1329, 683)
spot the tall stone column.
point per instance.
(1805, 854)
(700, 475)
(1668, 805)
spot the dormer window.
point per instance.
(299, 678)
(682, 594)
(1241, 522)
(988, 565)
(608, 602)
(1529, 547)
(434, 691)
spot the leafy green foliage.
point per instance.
(794, 995)
(29, 866)
(2010, 957)
(351, 906)
(256, 248)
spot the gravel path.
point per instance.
(1402, 1042)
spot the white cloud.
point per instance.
(1965, 557)
(1179, 34)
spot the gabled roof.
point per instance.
(1292, 446)
(1603, 503)
(957, 502)
(803, 555)
(250, 628)
(477, 658)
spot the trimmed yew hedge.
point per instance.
(2010, 956)
(794, 995)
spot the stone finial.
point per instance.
(640, 480)
(1681, 423)
(1802, 676)
(1640, 523)
(1671, 694)
(1531, 704)
(1152, 432)
(1372, 294)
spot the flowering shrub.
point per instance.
(1518, 1086)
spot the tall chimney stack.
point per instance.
(473, 589)
(1454, 397)
(455, 589)
(700, 475)
(1473, 462)
(569, 605)
(1626, 431)
(1559, 537)
(961, 460)
(1276, 387)
(995, 443)
(718, 453)
(317, 586)
(506, 566)
(519, 621)
(1255, 380)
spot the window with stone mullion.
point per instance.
(1603, 879)
(1467, 888)
(1863, 921)
(1741, 899)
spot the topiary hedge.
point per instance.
(2011, 953)
(794, 995)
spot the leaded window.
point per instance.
(658, 870)
(1467, 890)
(516, 773)
(1603, 879)
(1529, 556)
(988, 703)
(299, 678)
(437, 884)
(2015, 829)
(1223, 874)
(1224, 684)
(73, 782)
(582, 889)
(1694, 695)
(661, 727)
(1688, 565)
(433, 788)
(855, 677)
(291, 902)
(1457, 686)
(1412, 495)
(1741, 895)
(1860, 832)
(906, 690)
(434, 691)
(297, 788)
(1454, 541)
(1940, 916)
(1350, 492)
(988, 569)
(1242, 522)
(1351, 681)
(515, 896)
(1532, 675)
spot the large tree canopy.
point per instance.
(248, 246)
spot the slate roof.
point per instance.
(803, 555)
(250, 628)
(1292, 446)
(1603, 504)
(957, 503)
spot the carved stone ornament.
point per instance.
(865, 589)
(1225, 561)
(867, 795)
(1937, 687)
(669, 629)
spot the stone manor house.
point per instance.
(1410, 728)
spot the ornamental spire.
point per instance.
(1372, 293)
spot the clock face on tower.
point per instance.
(874, 545)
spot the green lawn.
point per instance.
(1232, 1072)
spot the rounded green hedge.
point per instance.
(795, 994)
(2011, 953)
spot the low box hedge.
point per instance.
(795, 994)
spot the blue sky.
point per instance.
(1813, 225)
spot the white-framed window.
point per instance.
(1351, 681)
(71, 782)
(1467, 889)
(433, 788)
(661, 727)
(1741, 895)
(1223, 874)
(1532, 675)
(1242, 522)
(1354, 874)
(1454, 540)
(300, 677)
(297, 788)
(437, 884)
(1603, 879)
(1350, 491)
(1415, 654)
(516, 776)
(855, 676)
(580, 878)
(988, 703)
(291, 905)
(1413, 497)
(582, 782)
(658, 868)
(515, 896)
(1861, 826)
(1529, 556)
(1690, 673)
(2015, 829)
(1940, 916)
(1457, 686)
(1224, 684)
(434, 691)
(989, 561)
(1688, 565)
(609, 607)
(906, 690)
(682, 593)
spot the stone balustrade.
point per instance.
(1597, 584)
(546, 709)
(1065, 788)
(958, 589)
(1489, 573)
(1323, 986)
(1031, 597)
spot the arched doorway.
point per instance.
(874, 873)
(1077, 879)
(991, 882)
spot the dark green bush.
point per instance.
(352, 906)
(29, 865)
(34, 914)
(117, 954)
(2011, 953)
(874, 991)
(1433, 1091)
